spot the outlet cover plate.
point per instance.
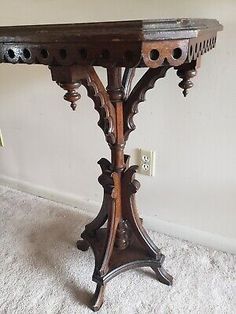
(146, 162)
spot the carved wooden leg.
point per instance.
(163, 276)
(98, 297)
(112, 224)
(130, 212)
(127, 162)
(106, 181)
(82, 245)
(130, 187)
(100, 219)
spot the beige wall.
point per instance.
(52, 151)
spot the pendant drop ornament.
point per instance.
(186, 73)
(72, 94)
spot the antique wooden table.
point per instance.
(71, 51)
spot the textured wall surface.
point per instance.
(50, 146)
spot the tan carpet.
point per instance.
(41, 271)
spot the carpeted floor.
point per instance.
(41, 271)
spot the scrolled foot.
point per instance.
(163, 276)
(98, 298)
(82, 245)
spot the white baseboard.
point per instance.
(65, 198)
(197, 236)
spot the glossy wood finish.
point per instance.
(71, 51)
(138, 43)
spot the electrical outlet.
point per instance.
(1, 139)
(146, 162)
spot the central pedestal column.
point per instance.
(124, 243)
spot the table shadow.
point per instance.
(46, 240)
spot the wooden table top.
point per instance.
(126, 43)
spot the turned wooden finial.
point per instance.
(123, 234)
(186, 82)
(72, 94)
(186, 72)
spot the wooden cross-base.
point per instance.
(71, 51)
(124, 243)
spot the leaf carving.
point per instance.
(102, 103)
(137, 96)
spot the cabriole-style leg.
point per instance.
(163, 276)
(98, 297)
